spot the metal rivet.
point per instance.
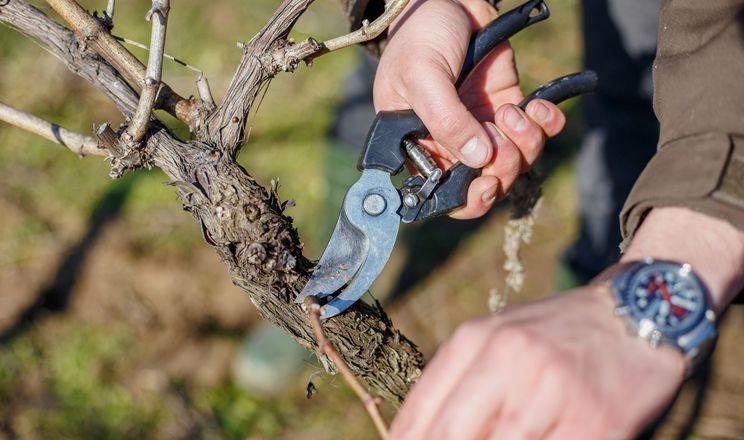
(374, 204)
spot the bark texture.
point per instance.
(241, 220)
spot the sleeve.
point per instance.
(699, 101)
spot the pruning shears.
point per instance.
(373, 208)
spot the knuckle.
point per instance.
(450, 127)
(532, 143)
(517, 339)
(468, 331)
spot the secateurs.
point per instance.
(373, 208)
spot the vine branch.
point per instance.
(93, 32)
(310, 49)
(158, 14)
(75, 142)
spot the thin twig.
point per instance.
(75, 142)
(110, 7)
(205, 93)
(158, 14)
(92, 32)
(202, 85)
(369, 31)
(108, 139)
(326, 348)
(310, 49)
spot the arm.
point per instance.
(566, 367)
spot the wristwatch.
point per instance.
(665, 303)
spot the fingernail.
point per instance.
(490, 194)
(475, 152)
(540, 111)
(514, 119)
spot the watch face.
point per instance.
(668, 295)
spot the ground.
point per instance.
(116, 321)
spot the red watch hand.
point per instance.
(664, 291)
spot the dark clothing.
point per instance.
(619, 44)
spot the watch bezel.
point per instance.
(637, 275)
(692, 336)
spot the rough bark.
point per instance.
(242, 221)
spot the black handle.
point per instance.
(383, 147)
(452, 192)
(563, 88)
(500, 30)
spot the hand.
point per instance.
(560, 368)
(480, 125)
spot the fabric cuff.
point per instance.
(703, 172)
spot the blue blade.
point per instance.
(360, 246)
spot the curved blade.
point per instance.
(361, 243)
(340, 260)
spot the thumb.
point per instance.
(418, 70)
(436, 102)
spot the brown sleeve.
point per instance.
(699, 100)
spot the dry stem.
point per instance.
(369, 31)
(309, 49)
(91, 31)
(158, 14)
(76, 142)
(326, 348)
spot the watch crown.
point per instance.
(622, 310)
(655, 338)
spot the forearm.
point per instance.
(713, 247)
(700, 162)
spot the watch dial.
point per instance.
(670, 297)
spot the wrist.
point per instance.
(665, 303)
(713, 248)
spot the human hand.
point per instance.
(479, 125)
(564, 367)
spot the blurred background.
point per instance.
(117, 322)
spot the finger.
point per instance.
(507, 163)
(496, 179)
(441, 376)
(535, 411)
(436, 101)
(479, 12)
(483, 192)
(525, 133)
(472, 408)
(550, 118)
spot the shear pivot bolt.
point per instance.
(411, 200)
(374, 204)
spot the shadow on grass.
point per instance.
(55, 296)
